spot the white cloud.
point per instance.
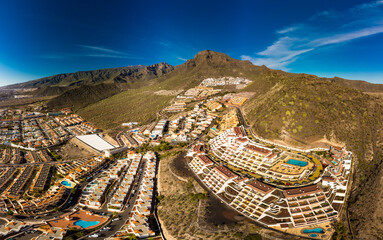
(322, 29)
(102, 49)
(370, 5)
(105, 56)
(91, 51)
(182, 59)
(286, 30)
(279, 54)
(343, 37)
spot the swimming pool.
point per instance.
(297, 162)
(66, 184)
(314, 230)
(86, 224)
(313, 235)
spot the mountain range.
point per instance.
(299, 109)
(82, 88)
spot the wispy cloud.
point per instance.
(370, 5)
(105, 56)
(91, 51)
(323, 29)
(343, 37)
(286, 30)
(103, 49)
(182, 59)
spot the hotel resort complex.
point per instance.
(290, 191)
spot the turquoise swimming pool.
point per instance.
(86, 224)
(297, 162)
(66, 183)
(314, 230)
(313, 235)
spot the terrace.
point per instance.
(79, 220)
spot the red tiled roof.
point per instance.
(337, 148)
(238, 131)
(259, 150)
(242, 140)
(295, 192)
(225, 172)
(261, 187)
(329, 179)
(204, 159)
(238, 180)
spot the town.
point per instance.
(110, 192)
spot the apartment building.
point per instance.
(218, 178)
(200, 163)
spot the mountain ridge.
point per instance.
(130, 75)
(110, 75)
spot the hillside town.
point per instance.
(110, 190)
(34, 130)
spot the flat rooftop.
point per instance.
(96, 142)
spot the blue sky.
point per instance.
(327, 38)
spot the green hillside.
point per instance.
(83, 96)
(50, 91)
(131, 105)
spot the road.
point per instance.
(29, 234)
(161, 114)
(38, 163)
(51, 162)
(115, 225)
(68, 207)
(118, 139)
